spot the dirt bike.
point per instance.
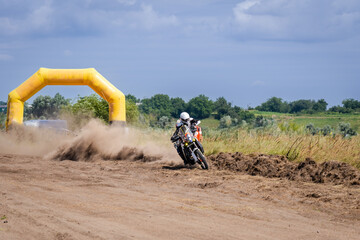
(188, 147)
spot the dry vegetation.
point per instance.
(296, 147)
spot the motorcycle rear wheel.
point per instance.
(203, 163)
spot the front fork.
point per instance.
(196, 160)
(192, 151)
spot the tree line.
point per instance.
(160, 109)
(199, 107)
(164, 108)
(276, 104)
(148, 110)
(47, 107)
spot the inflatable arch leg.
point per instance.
(45, 76)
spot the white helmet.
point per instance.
(184, 116)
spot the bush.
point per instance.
(346, 131)
(340, 109)
(164, 122)
(234, 121)
(326, 130)
(263, 122)
(91, 106)
(289, 127)
(132, 112)
(311, 129)
(246, 116)
(225, 122)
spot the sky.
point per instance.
(246, 51)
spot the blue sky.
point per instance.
(246, 51)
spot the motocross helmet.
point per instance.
(184, 116)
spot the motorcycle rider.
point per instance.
(184, 119)
(191, 123)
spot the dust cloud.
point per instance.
(94, 141)
(97, 141)
(31, 141)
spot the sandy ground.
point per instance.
(47, 199)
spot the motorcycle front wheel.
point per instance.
(203, 163)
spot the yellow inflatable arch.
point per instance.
(45, 76)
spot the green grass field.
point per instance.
(210, 123)
(319, 119)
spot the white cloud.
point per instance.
(38, 19)
(297, 19)
(241, 8)
(83, 17)
(149, 19)
(41, 17)
(8, 26)
(203, 25)
(249, 19)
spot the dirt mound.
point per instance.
(279, 166)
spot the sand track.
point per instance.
(47, 199)
(108, 183)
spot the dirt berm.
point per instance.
(279, 166)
